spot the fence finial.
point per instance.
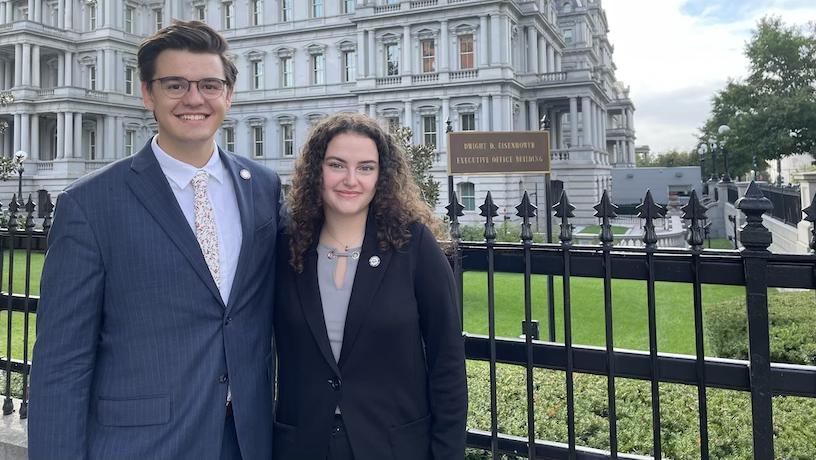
(489, 211)
(48, 209)
(30, 207)
(13, 208)
(605, 210)
(650, 211)
(455, 211)
(696, 213)
(563, 209)
(810, 216)
(526, 211)
(753, 234)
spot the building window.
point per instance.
(317, 8)
(258, 141)
(288, 139)
(129, 73)
(229, 138)
(200, 12)
(256, 10)
(285, 10)
(347, 6)
(428, 49)
(91, 16)
(229, 13)
(158, 18)
(349, 65)
(429, 130)
(467, 195)
(467, 122)
(466, 60)
(287, 79)
(392, 56)
(91, 77)
(130, 140)
(257, 74)
(130, 13)
(568, 36)
(318, 66)
(92, 145)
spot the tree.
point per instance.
(420, 159)
(669, 159)
(773, 112)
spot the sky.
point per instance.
(675, 55)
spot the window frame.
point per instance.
(392, 67)
(426, 134)
(468, 200)
(349, 62)
(257, 76)
(317, 63)
(257, 141)
(130, 74)
(228, 135)
(427, 55)
(287, 78)
(129, 22)
(470, 55)
(287, 139)
(228, 14)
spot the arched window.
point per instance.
(467, 195)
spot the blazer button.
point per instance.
(334, 383)
(223, 378)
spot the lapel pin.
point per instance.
(374, 261)
(245, 174)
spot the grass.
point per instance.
(596, 229)
(674, 309)
(18, 318)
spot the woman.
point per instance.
(371, 357)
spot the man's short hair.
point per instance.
(193, 36)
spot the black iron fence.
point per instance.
(786, 200)
(754, 267)
(22, 236)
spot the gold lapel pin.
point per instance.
(245, 174)
(374, 261)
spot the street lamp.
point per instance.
(723, 131)
(19, 158)
(702, 149)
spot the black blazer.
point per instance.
(400, 381)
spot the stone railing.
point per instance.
(425, 77)
(389, 81)
(468, 74)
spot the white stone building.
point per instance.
(496, 65)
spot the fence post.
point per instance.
(755, 241)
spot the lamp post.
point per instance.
(19, 158)
(723, 131)
(702, 149)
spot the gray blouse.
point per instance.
(335, 300)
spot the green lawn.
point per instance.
(596, 230)
(675, 315)
(18, 318)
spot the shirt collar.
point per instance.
(182, 173)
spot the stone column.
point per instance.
(372, 110)
(557, 62)
(17, 133)
(550, 59)
(586, 119)
(18, 64)
(69, 69)
(360, 54)
(35, 65)
(3, 81)
(485, 115)
(443, 143)
(34, 153)
(78, 152)
(3, 13)
(532, 115)
(482, 46)
(372, 55)
(444, 63)
(109, 151)
(26, 63)
(406, 65)
(495, 40)
(31, 10)
(100, 136)
(542, 54)
(69, 14)
(532, 49)
(409, 116)
(60, 135)
(574, 121)
(69, 135)
(25, 132)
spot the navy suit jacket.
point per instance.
(400, 381)
(135, 348)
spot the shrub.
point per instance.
(506, 232)
(792, 328)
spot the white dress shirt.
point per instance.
(224, 202)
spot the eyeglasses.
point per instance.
(177, 87)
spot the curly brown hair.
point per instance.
(397, 202)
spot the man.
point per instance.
(155, 317)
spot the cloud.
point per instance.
(681, 54)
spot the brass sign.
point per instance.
(500, 152)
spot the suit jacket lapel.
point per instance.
(148, 183)
(366, 283)
(309, 292)
(246, 206)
